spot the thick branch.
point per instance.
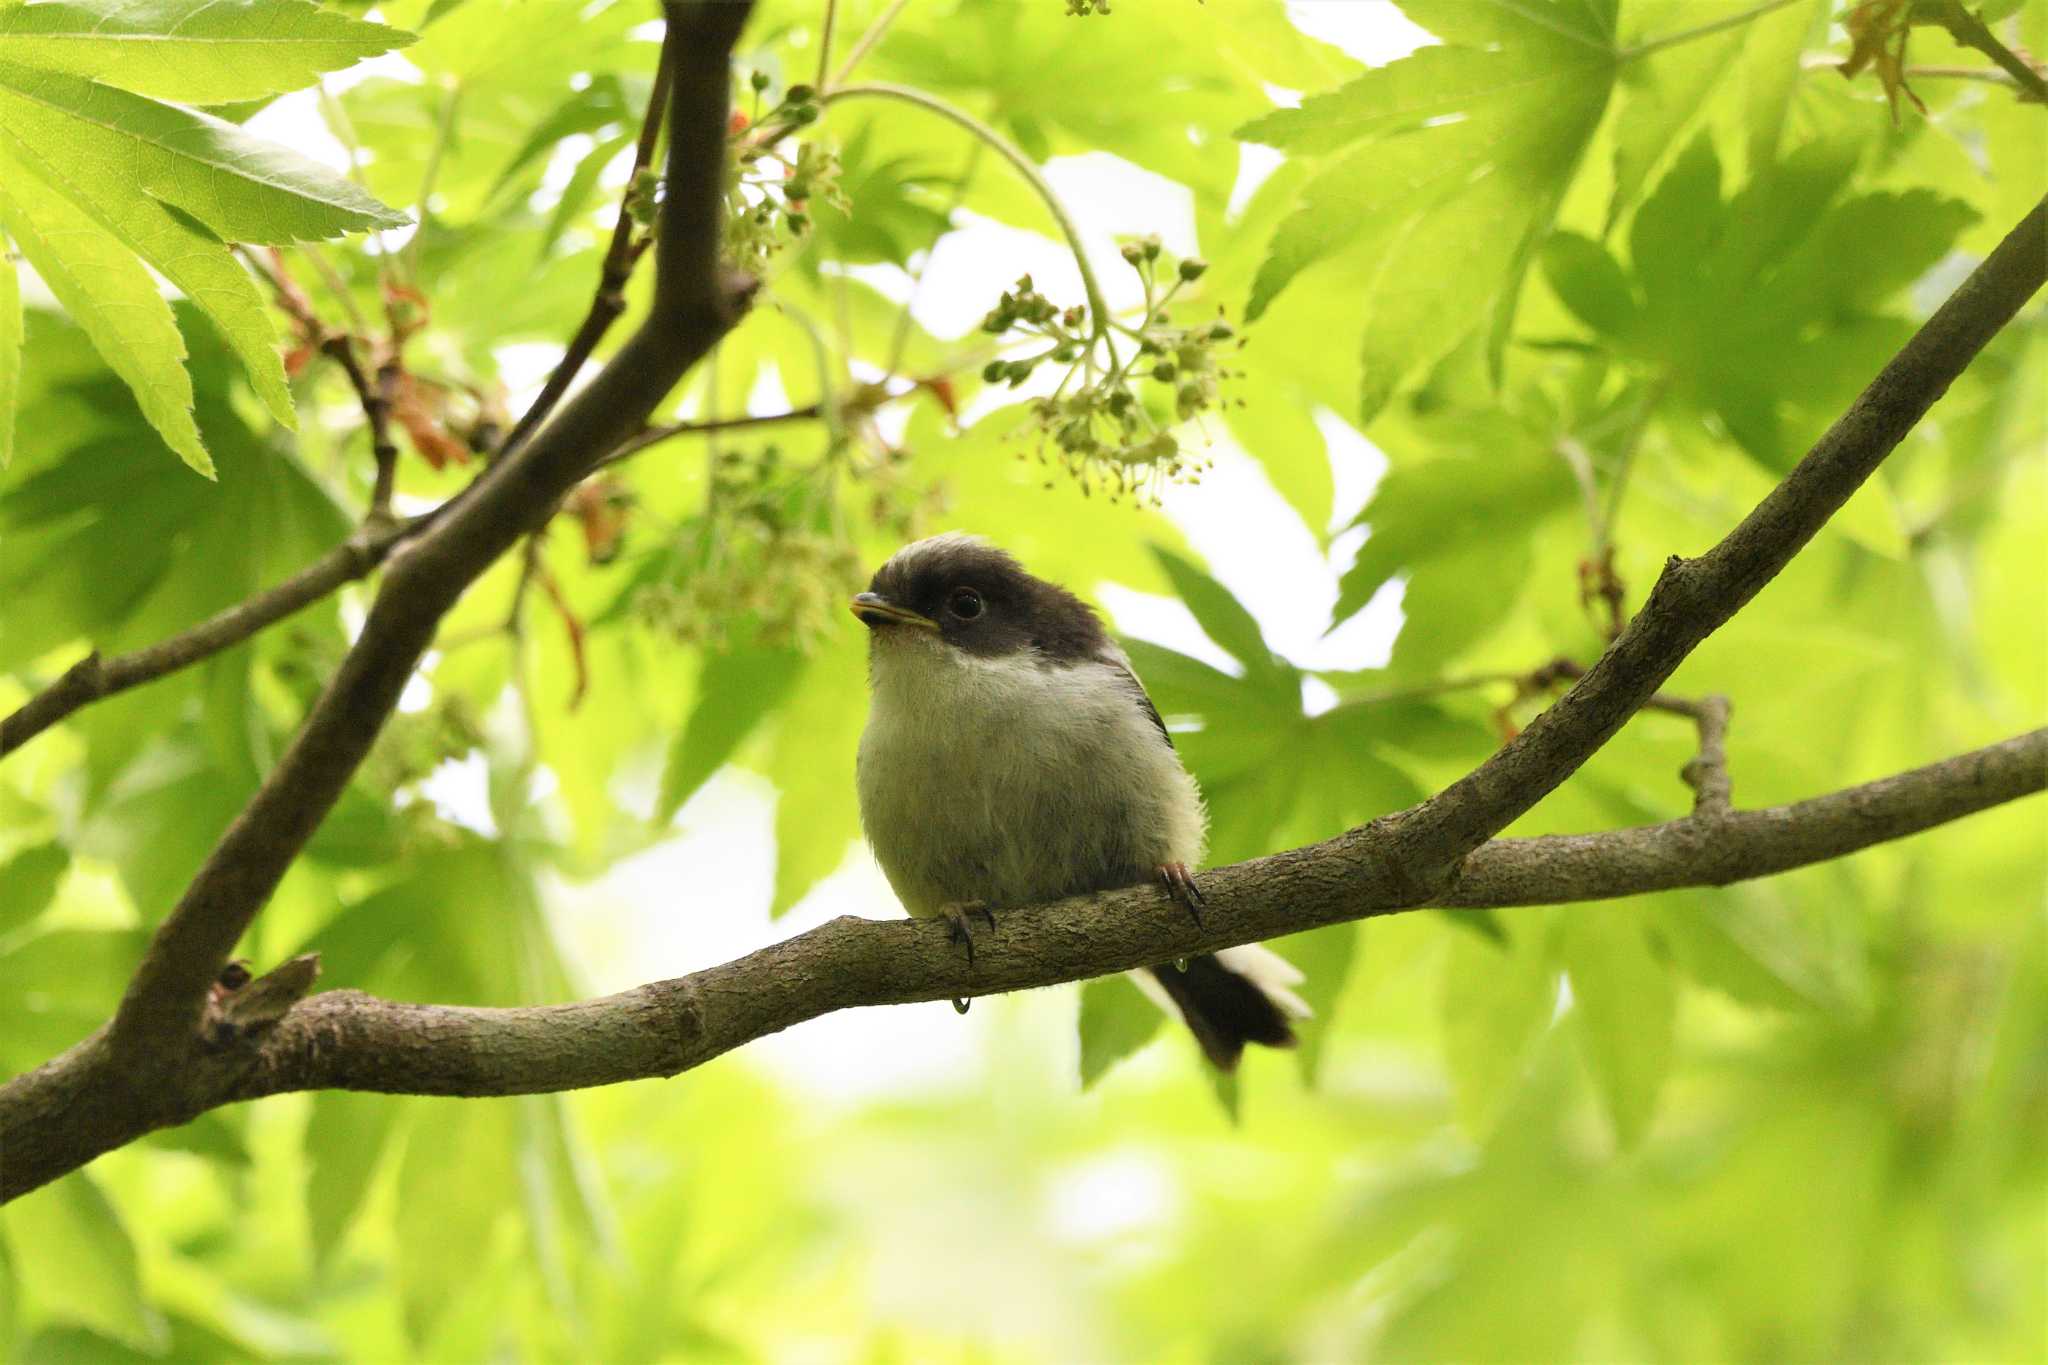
(694, 305)
(93, 677)
(1694, 597)
(70, 1110)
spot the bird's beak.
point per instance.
(873, 609)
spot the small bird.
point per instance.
(1011, 756)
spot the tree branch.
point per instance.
(695, 303)
(619, 258)
(148, 1067)
(93, 677)
(1694, 597)
(57, 1118)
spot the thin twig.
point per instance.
(619, 259)
(1972, 32)
(1707, 772)
(863, 44)
(94, 677)
(656, 435)
(825, 42)
(378, 398)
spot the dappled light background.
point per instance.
(1796, 1119)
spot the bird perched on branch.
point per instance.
(1011, 756)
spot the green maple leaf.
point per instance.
(195, 51)
(101, 177)
(1452, 164)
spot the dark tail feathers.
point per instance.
(1224, 1009)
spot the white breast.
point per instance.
(1012, 780)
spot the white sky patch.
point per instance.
(1110, 1197)
(294, 121)
(1371, 31)
(1257, 546)
(1110, 199)
(1255, 165)
(1164, 621)
(460, 789)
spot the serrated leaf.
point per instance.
(191, 51)
(196, 261)
(1771, 73)
(734, 692)
(10, 353)
(1464, 152)
(176, 185)
(1116, 1020)
(111, 297)
(115, 147)
(1664, 93)
(1765, 304)
(1624, 1002)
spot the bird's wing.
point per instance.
(1118, 660)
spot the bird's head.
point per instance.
(959, 593)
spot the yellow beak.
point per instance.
(873, 609)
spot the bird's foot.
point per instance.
(1180, 884)
(957, 914)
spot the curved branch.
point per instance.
(1694, 597)
(695, 303)
(93, 677)
(60, 1116)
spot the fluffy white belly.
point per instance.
(1011, 781)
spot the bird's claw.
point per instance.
(1180, 884)
(956, 914)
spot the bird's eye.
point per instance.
(965, 603)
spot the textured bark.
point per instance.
(84, 1103)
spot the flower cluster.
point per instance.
(774, 558)
(1108, 420)
(769, 183)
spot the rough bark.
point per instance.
(84, 1103)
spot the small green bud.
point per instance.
(1133, 252)
(803, 114)
(801, 94)
(994, 371)
(759, 80)
(1220, 331)
(1151, 248)
(1164, 371)
(1163, 446)
(799, 221)
(1192, 269)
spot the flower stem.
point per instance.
(1098, 308)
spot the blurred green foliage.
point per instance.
(1589, 301)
